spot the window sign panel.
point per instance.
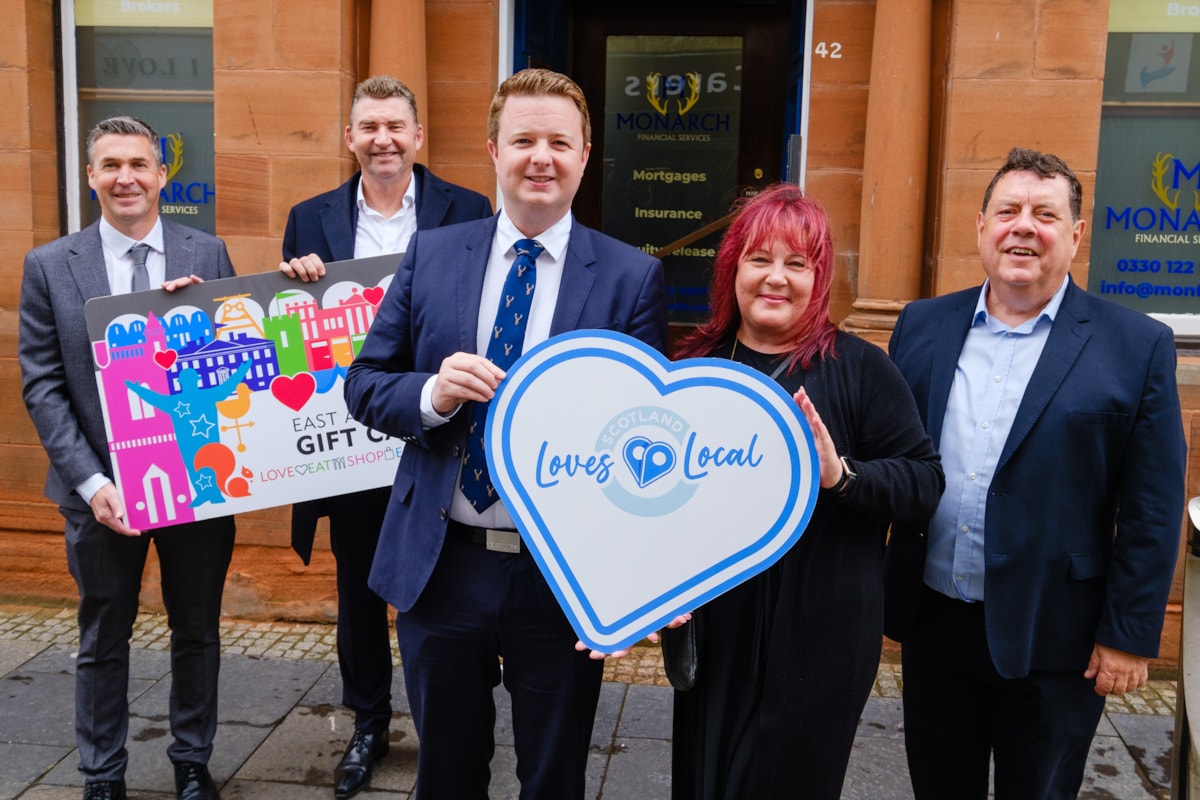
(671, 126)
(152, 60)
(1146, 233)
(1146, 225)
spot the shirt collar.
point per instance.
(554, 239)
(406, 205)
(1048, 313)
(118, 243)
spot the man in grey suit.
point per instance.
(128, 249)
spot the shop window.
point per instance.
(1146, 224)
(151, 59)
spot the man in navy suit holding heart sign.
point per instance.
(465, 299)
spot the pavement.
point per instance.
(281, 728)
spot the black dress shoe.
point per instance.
(353, 772)
(104, 790)
(192, 782)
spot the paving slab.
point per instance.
(647, 713)
(37, 708)
(306, 746)
(639, 769)
(15, 652)
(150, 770)
(23, 764)
(257, 790)
(327, 691)
(1149, 740)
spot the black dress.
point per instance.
(787, 659)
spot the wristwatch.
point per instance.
(849, 476)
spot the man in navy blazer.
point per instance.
(1039, 587)
(106, 557)
(373, 213)
(467, 591)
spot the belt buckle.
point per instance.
(503, 541)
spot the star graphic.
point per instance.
(183, 409)
(204, 481)
(201, 426)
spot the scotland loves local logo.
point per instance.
(643, 487)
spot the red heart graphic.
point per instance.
(165, 358)
(373, 295)
(294, 392)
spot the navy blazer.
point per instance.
(326, 225)
(1084, 512)
(431, 310)
(55, 351)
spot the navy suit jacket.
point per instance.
(326, 225)
(55, 351)
(1082, 525)
(431, 311)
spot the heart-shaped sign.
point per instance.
(644, 488)
(294, 391)
(165, 358)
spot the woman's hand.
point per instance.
(831, 465)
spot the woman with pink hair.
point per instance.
(787, 659)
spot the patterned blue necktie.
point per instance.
(504, 348)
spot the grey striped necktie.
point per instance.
(141, 277)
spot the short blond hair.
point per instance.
(383, 87)
(538, 83)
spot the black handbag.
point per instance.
(679, 654)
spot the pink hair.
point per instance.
(781, 213)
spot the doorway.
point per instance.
(693, 105)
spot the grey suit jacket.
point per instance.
(58, 380)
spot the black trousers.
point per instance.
(478, 607)
(959, 713)
(107, 568)
(363, 631)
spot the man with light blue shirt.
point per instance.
(1039, 587)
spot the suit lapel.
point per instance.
(339, 221)
(469, 283)
(179, 250)
(86, 262)
(1068, 335)
(577, 280)
(944, 363)
(432, 200)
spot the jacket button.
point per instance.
(442, 514)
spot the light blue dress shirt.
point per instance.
(993, 370)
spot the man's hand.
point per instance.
(179, 283)
(464, 377)
(307, 268)
(109, 511)
(1116, 672)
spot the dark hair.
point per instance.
(538, 83)
(1047, 165)
(780, 213)
(383, 87)
(123, 126)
